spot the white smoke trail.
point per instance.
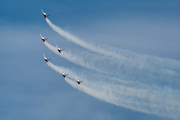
(163, 102)
(60, 71)
(146, 69)
(68, 36)
(127, 59)
(158, 100)
(69, 56)
(166, 72)
(54, 49)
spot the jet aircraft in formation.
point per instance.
(43, 39)
(78, 81)
(46, 59)
(45, 15)
(64, 75)
(59, 50)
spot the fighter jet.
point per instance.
(64, 75)
(46, 59)
(59, 49)
(78, 81)
(45, 15)
(43, 39)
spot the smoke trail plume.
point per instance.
(128, 64)
(123, 56)
(62, 70)
(147, 69)
(68, 36)
(143, 68)
(142, 83)
(54, 49)
(163, 102)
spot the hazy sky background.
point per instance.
(29, 89)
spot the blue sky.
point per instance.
(29, 89)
